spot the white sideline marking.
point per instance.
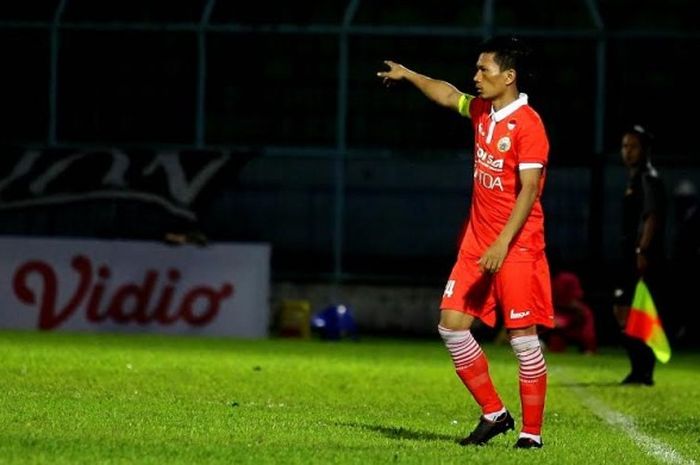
(650, 445)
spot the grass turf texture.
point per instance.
(103, 398)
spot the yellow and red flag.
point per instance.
(644, 323)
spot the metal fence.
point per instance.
(352, 179)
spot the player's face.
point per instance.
(631, 150)
(490, 81)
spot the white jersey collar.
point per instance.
(509, 109)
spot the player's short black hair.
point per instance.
(509, 52)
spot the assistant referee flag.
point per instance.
(644, 323)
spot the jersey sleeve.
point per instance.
(532, 145)
(653, 195)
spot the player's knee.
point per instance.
(454, 320)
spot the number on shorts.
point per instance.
(449, 288)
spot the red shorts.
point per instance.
(522, 290)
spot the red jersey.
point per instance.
(505, 142)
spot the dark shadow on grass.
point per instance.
(587, 384)
(393, 432)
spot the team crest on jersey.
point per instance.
(503, 144)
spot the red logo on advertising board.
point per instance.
(150, 301)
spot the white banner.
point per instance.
(96, 285)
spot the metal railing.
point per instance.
(343, 31)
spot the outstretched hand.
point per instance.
(396, 72)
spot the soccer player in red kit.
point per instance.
(501, 264)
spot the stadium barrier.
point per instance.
(135, 286)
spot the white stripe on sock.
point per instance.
(529, 353)
(461, 345)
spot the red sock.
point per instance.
(532, 394)
(533, 381)
(476, 378)
(472, 368)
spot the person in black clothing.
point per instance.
(643, 225)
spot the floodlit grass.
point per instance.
(103, 398)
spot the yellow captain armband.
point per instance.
(463, 105)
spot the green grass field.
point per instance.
(102, 398)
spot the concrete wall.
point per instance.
(400, 310)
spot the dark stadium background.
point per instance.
(350, 182)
